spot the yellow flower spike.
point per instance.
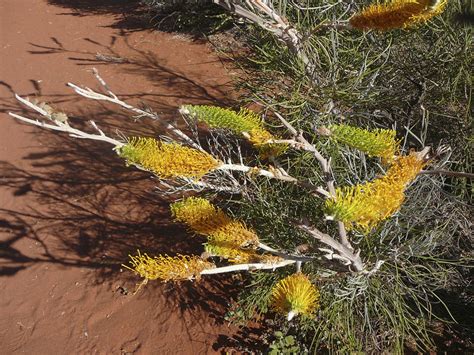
(232, 253)
(236, 233)
(166, 268)
(397, 14)
(219, 117)
(365, 205)
(168, 160)
(435, 8)
(199, 214)
(375, 143)
(204, 218)
(295, 295)
(244, 122)
(237, 255)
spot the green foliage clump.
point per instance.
(417, 81)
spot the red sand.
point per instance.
(70, 211)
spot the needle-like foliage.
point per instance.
(245, 122)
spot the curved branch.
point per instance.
(266, 17)
(344, 253)
(448, 173)
(285, 255)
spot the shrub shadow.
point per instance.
(130, 14)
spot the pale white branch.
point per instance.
(376, 268)
(201, 185)
(262, 14)
(33, 106)
(73, 132)
(91, 94)
(257, 171)
(344, 253)
(247, 267)
(285, 256)
(103, 83)
(459, 174)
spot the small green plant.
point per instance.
(284, 344)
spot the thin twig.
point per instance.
(103, 83)
(274, 23)
(448, 173)
(285, 255)
(257, 171)
(196, 185)
(33, 106)
(73, 132)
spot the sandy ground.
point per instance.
(71, 212)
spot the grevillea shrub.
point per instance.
(339, 227)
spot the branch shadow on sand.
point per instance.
(171, 86)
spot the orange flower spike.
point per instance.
(397, 14)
